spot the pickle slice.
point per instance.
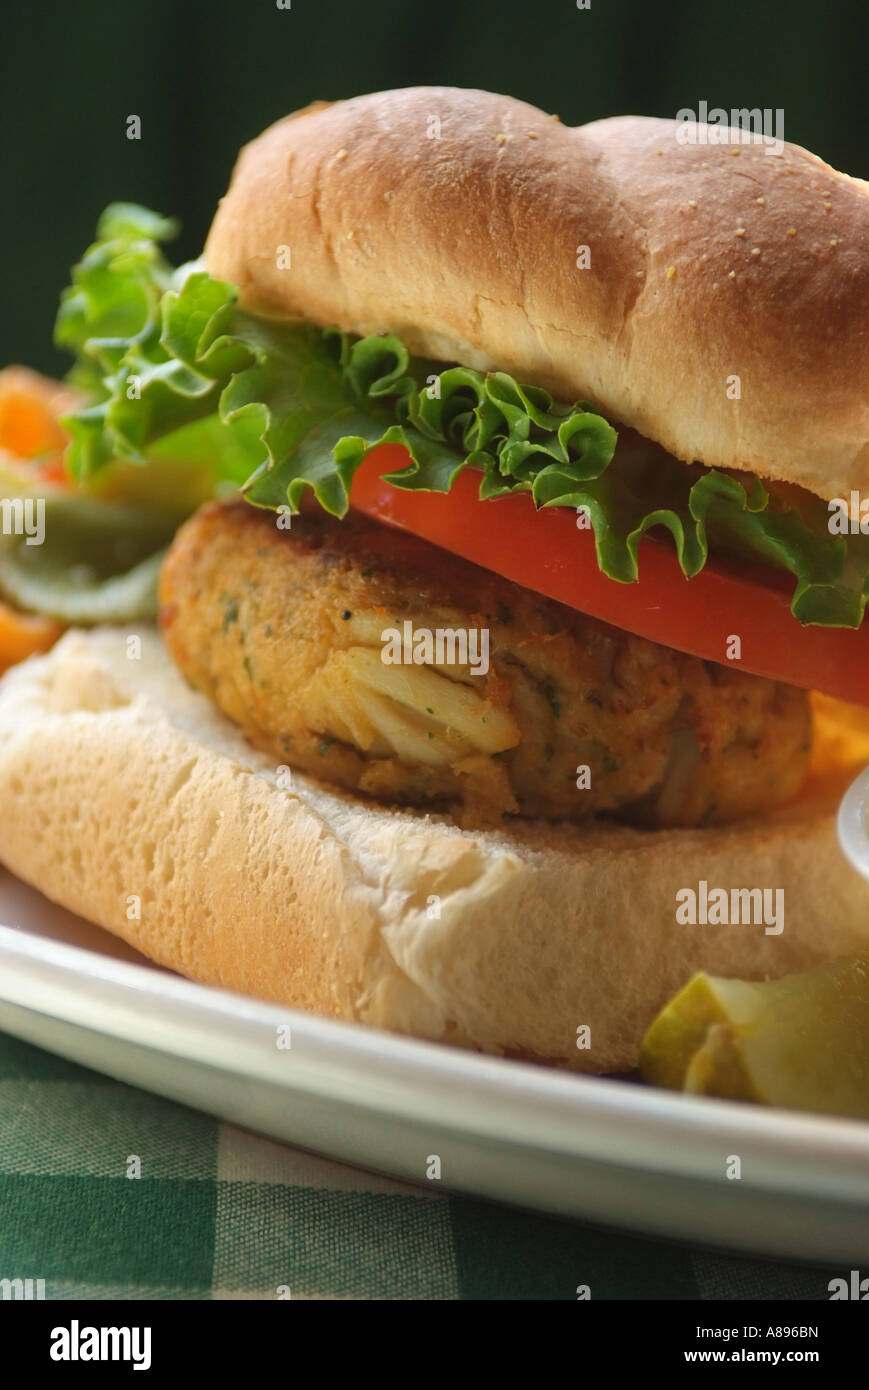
(801, 1042)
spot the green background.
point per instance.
(206, 75)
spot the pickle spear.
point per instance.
(801, 1042)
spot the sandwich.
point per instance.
(496, 488)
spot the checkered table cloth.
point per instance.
(221, 1214)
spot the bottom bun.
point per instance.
(129, 799)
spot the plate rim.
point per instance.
(580, 1116)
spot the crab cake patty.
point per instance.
(286, 630)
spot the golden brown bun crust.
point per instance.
(707, 262)
(119, 783)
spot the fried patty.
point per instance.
(286, 631)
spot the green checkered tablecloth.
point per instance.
(221, 1214)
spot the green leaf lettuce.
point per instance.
(177, 369)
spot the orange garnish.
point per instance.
(30, 406)
(23, 634)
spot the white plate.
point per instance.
(607, 1151)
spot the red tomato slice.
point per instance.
(545, 551)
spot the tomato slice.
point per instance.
(546, 551)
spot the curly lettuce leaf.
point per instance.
(173, 362)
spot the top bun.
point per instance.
(454, 219)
